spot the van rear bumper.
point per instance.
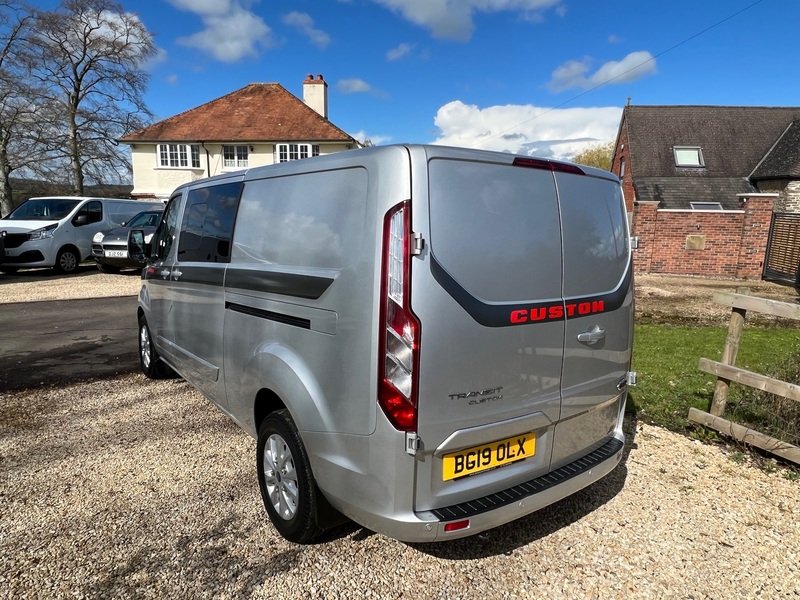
(501, 507)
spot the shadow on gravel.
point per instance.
(34, 275)
(511, 536)
(66, 341)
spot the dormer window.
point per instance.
(705, 205)
(688, 156)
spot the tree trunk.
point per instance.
(75, 156)
(6, 198)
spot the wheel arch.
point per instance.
(73, 247)
(275, 377)
(266, 402)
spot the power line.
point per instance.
(610, 79)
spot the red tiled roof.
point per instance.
(255, 113)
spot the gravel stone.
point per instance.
(135, 488)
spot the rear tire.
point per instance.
(287, 485)
(149, 360)
(67, 261)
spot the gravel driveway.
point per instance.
(131, 488)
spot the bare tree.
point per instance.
(89, 54)
(16, 110)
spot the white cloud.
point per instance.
(172, 79)
(353, 86)
(526, 129)
(203, 7)
(159, 58)
(452, 19)
(376, 140)
(231, 31)
(614, 39)
(573, 73)
(359, 86)
(399, 52)
(305, 25)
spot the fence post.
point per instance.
(729, 353)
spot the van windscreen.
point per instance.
(43, 209)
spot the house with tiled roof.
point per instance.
(259, 124)
(704, 157)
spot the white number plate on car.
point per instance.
(116, 254)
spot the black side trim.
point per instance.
(529, 488)
(287, 284)
(529, 313)
(213, 274)
(269, 315)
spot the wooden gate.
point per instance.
(783, 249)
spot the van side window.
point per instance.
(310, 220)
(165, 234)
(92, 211)
(207, 225)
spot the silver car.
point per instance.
(110, 248)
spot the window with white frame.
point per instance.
(287, 152)
(235, 157)
(688, 156)
(179, 156)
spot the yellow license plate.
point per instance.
(481, 458)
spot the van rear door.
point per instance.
(487, 290)
(598, 294)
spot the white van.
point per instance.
(57, 231)
(430, 341)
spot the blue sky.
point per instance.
(544, 77)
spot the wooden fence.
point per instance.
(727, 372)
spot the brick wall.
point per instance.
(623, 153)
(713, 243)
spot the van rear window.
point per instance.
(596, 246)
(495, 229)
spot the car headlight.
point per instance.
(147, 238)
(43, 233)
(98, 237)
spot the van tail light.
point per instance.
(399, 335)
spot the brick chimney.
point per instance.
(315, 94)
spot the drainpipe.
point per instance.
(208, 160)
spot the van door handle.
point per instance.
(176, 273)
(164, 273)
(594, 335)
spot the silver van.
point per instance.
(429, 341)
(57, 231)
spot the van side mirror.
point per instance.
(137, 248)
(80, 220)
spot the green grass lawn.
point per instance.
(669, 382)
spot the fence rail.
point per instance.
(727, 372)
